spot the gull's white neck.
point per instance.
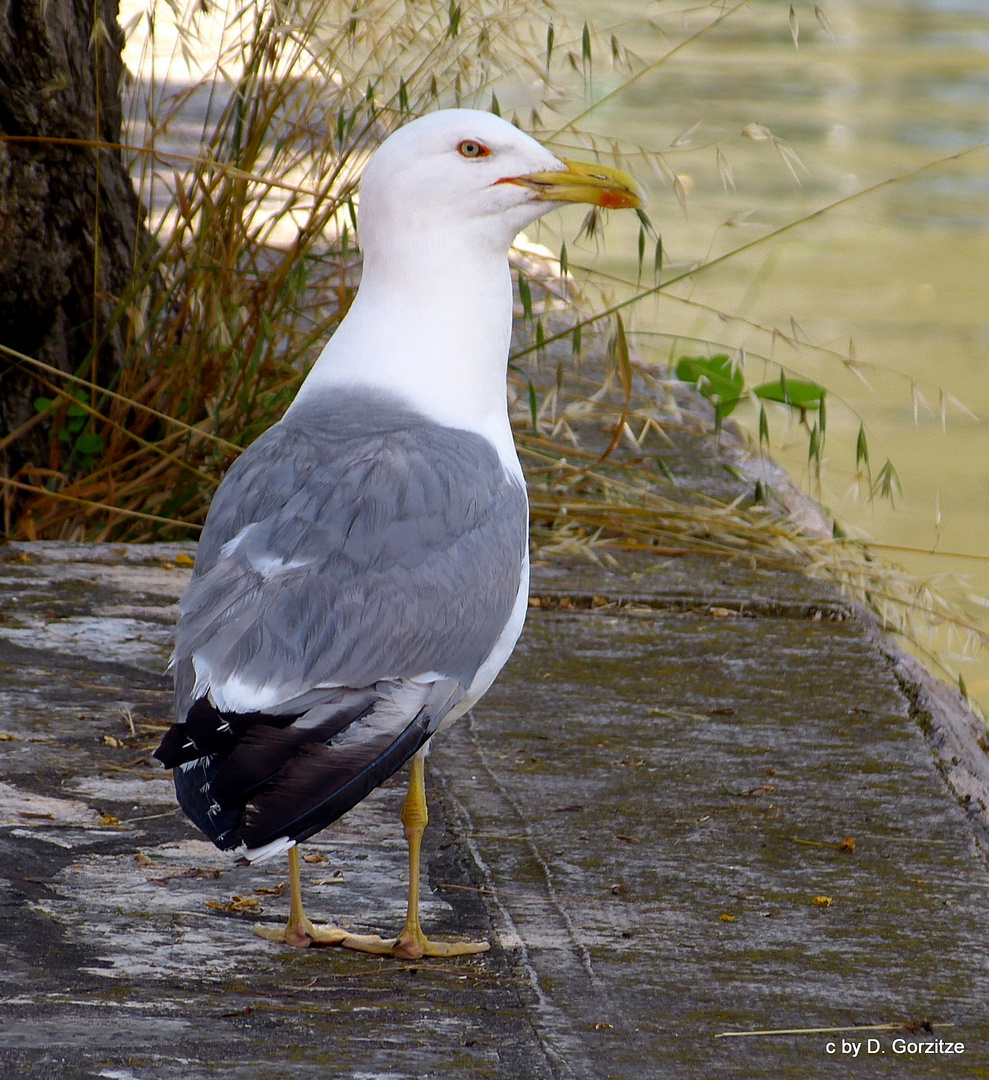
(431, 324)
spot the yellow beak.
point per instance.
(585, 183)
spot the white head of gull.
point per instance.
(363, 572)
(440, 203)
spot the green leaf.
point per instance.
(533, 408)
(799, 393)
(861, 449)
(525, 295)
(76, 410)
(89, 443)
(495, 107)
(585, 45)
(657, 263)
(550, 37)
(814, 447)
(576, 341)
(621, 357)
(42, 404)
(887, 482)
(564, 262)
(642, 247)
(666, 471)
(454, 18)
(763, 426)
(716, 378)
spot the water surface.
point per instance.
(903, 272)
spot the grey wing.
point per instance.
(352, 579)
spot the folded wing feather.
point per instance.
(357, 567)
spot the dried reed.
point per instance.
(256, 262)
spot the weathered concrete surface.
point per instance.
(641, 813)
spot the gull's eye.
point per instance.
(471, 148)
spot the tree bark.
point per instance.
(71, 225)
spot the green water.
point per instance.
(902, 272)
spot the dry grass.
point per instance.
(256, 257)
(594, 455)
(250, 170)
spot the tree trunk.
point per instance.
(70, 222)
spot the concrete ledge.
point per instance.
(650, 813)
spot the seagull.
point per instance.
(363, 572)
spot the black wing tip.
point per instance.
(265, 783)
(206, 730)
(192, 789)
(171, 749)
(276, 813)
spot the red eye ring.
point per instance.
(472, 148)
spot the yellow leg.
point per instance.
(299, 931)
(412, 943)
